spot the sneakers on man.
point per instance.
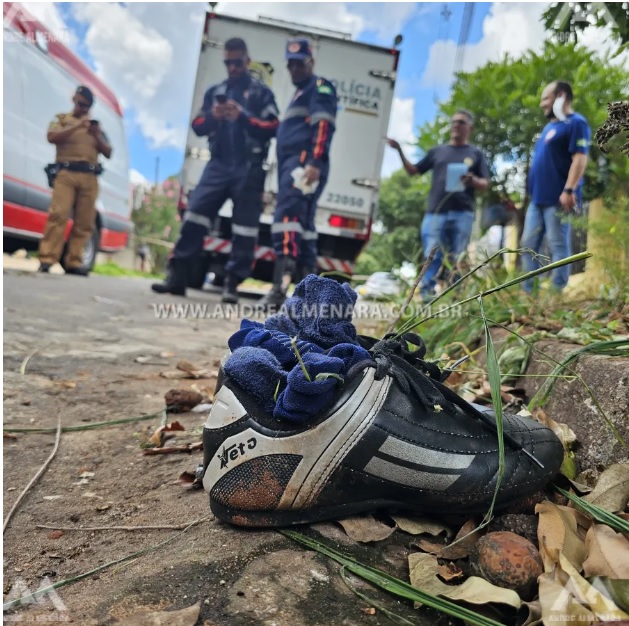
(78, 271)
(395, 437)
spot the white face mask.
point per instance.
(558, 108)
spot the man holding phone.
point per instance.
(458, 170)
(239, 116)
(79, 141)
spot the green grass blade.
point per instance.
(413, 323)
(95, 425)
(398, 619)
(599, 514)
(598, 347)
(41, 592)
(610, 348)
(493, 373)
(391, 584)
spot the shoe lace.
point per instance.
(424, 379)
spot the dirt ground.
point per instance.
(84, 336)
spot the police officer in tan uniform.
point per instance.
(79, 141)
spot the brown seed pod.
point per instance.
(508, 560)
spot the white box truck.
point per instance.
(364, 76)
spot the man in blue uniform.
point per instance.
(240, 117)
(303, 147)
(555, 181)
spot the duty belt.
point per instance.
(80, 166)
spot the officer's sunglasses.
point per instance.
(458, 122)
(234, 62)
(83, 105)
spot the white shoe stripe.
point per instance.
(424, 456)
(410, 477)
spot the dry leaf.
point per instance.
(195, 371)
(564, 433)
(612, 489)
(460, 548)
(55, 534)
(174, 375)
(67, 384)
(450, 571)
(184, 617)
(369, 611)
(189, 479)
(534, 617)
(365, 528)
(608, 553)
(423, 573)
(8, 436)
(420, 526)
(567, 598)
(557, 533)
(182, 400)
(157, 438)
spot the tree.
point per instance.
(567, 20)
(156, 218)
(403, 200)
(505, 99)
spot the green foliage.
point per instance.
(156, 218)
(570, 24)
(504, 97)
(113, 269)
(403, 201)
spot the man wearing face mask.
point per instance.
(555, 181)
(303, 147)
(239, 116)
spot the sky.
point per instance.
(147, 53)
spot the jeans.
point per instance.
(552, 222)
(450, 231)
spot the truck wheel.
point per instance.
(89, 252)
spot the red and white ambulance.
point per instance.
(40, 77)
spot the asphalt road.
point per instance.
(77, 342)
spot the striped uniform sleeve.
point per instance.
(263, 121)
(322, 120)
(203, 122)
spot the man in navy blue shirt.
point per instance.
(239, 116)
(303, 148)
(555, 181)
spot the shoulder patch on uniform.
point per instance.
(324, 87)
(582, 143)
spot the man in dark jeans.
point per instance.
(240, 118)
(459, 169)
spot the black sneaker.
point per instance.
(78, 271)
(396, 437)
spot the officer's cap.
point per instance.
(85, 92)
(298, 49)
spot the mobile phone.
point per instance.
(221, 98)
(93, 122)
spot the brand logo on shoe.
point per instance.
(235, 450)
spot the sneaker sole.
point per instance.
(276, 519)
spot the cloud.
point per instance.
(50, 16)
(136, 178)
(401, 125)
(508, 28)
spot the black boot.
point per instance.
(282, 276)
(230, 289)
(176, 281)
